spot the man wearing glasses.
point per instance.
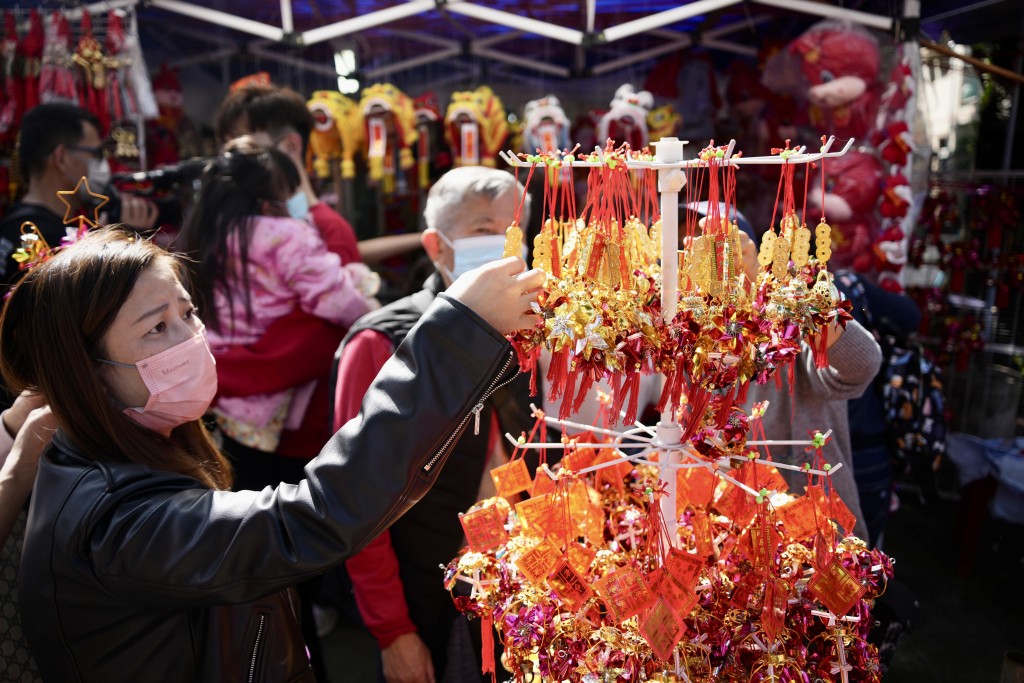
(58, 144)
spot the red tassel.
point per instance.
(633, 389)
(487, 645)
(581, 395)
(565, 410)
(557, 374)
(821, 351)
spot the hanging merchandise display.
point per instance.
(57, 79)
(673, 553)
(92, 82)
(849, 196)
(337, 135)
(390, 134)
(30, 58)
(626, 120)
(476, 127)
(11, 110)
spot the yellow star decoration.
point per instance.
(66, 195)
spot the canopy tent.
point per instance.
(554, 39)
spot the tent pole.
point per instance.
(652, 21)
(287, 22)
(541, 28)
(830, 11)
(213, 16)
(371, 20)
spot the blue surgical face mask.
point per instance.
(298, 205)
(473, 252)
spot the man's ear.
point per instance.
(59, 157)
(291, 144)
(431, 242)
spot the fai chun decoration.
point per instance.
(675, 554)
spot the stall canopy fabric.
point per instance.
(555, 39)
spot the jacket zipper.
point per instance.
(476, 411)
(256, 649)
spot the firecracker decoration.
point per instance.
(476, 127)
(10, 104)
(30, 57)
(92, 63)
(120, 101)
(390, 132)
(626, 121)
(57, 78)
(338, 132)
(586, 579)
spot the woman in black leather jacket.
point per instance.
(138, 563)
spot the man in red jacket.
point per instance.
(397, 579)
(278, 117)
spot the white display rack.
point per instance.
(666, 438)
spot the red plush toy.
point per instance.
(890, 257)
(840, 64)
(895, 196)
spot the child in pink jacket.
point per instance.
(255, 264)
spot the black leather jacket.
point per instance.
(131, 574)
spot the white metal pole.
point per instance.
(287, 23)
(672, 16)
(541, 28)
(361, 23)
(670, 182)
(831, 11)
(213, 16)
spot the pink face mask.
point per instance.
(182, 382)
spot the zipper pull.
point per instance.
(476, 417)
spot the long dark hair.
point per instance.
(234, 188)
(52, 328)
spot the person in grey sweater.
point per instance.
(816, 401)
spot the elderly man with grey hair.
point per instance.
(397, 580)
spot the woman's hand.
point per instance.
(501, 292)
(14, 417)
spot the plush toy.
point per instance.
(890, 256)
(840, 64)
(390, 118)
(546, 127)
(663, 122)
(626, 121)
(894, 143)
(337, 132)
(476, 126)
(852, 186)
(895, 196)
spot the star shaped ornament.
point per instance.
(66, 196)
